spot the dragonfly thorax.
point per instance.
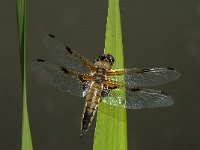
(99, 78)
(103, 64)
(101, 71)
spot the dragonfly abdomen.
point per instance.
(92, 100)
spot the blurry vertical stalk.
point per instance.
(111, 126)
(21, 20)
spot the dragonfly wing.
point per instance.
(59, 77)
(147, 77)
(138, 98)
(66, 56)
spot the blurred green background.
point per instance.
(155, 34)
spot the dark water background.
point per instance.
(155, 34)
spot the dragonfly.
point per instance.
(99, 82)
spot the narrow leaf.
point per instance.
(111, 126)
(21, 20)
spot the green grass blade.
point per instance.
(21, 20)
(111, 127)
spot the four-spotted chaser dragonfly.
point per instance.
(95, 81)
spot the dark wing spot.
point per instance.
(70, 73)
(69, 50)
(114, 87)
(170, 68)
(163, 93)
(81, 78)
(40, 60)
(51, 35)
(65, 70)
(135, 89)
(142, 70)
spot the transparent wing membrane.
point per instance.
(147, 77)
(61, 78)
(68, 57)
(138, 98)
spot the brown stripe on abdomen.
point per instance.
(91, 104)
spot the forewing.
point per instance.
(59, 77)
(138, 98)
(147, 77)
(68, 57)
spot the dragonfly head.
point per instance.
(106, 57)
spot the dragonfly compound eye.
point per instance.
(109, 58)
(106, 57)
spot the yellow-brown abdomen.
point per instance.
(92, 100)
